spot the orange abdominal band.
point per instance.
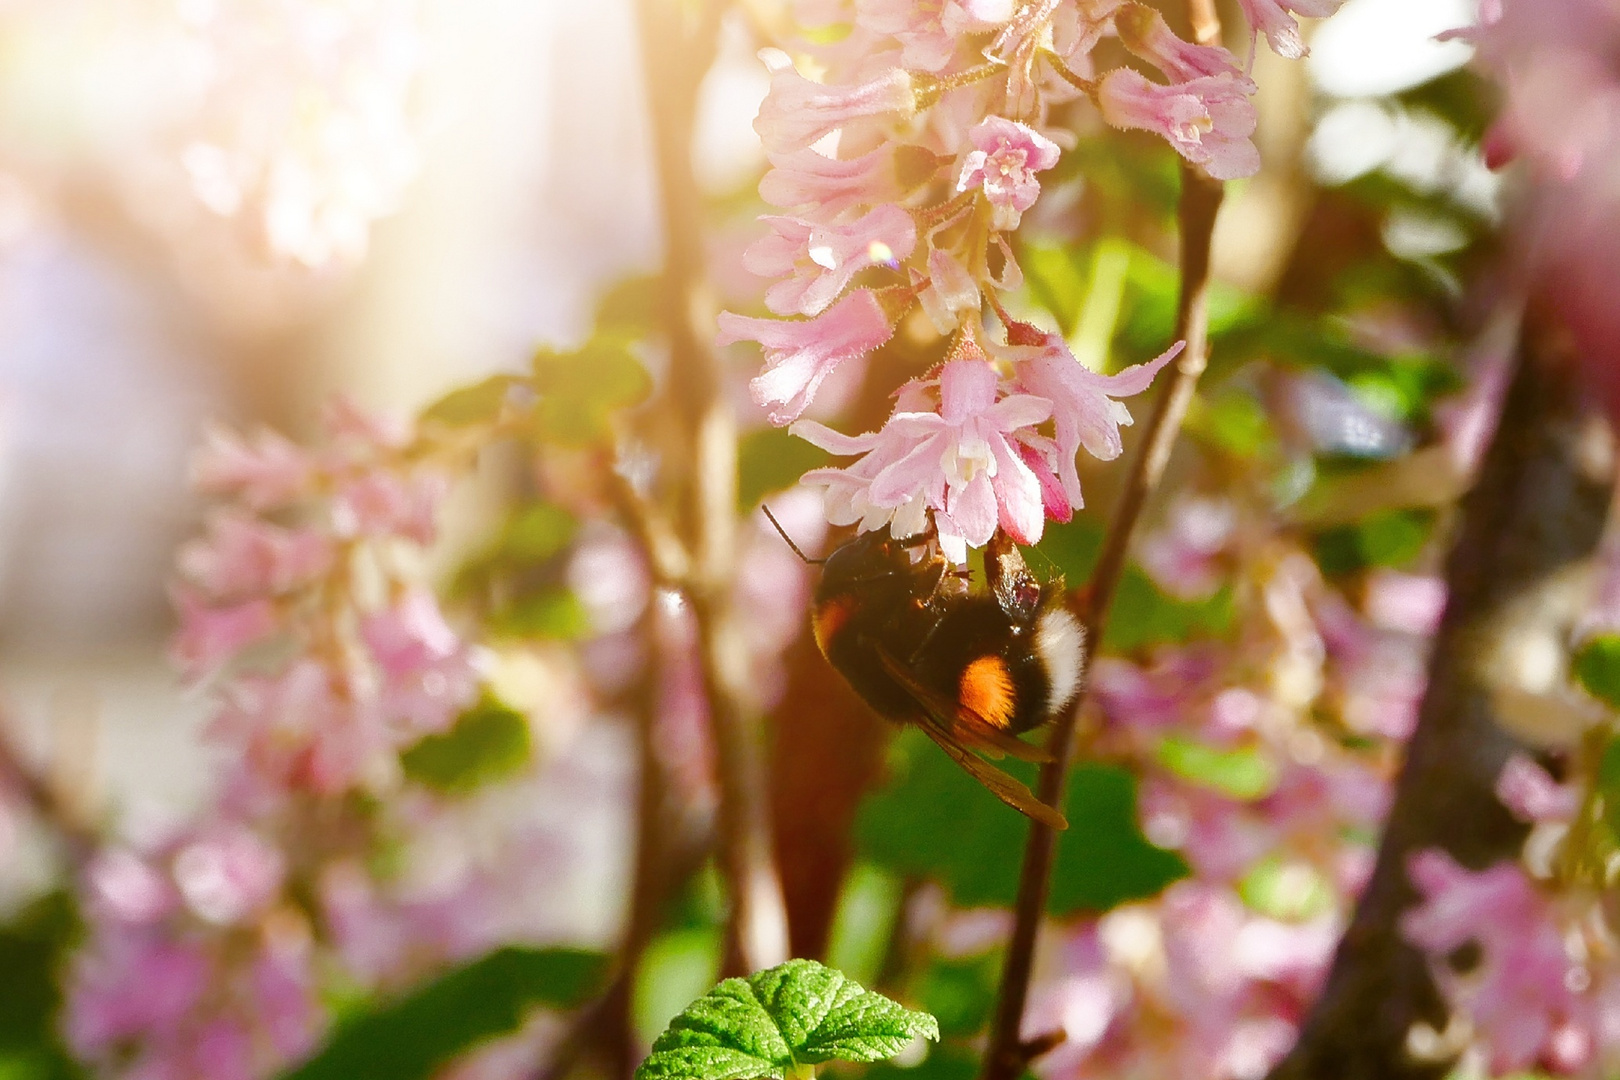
(987, 689)
(829, 617)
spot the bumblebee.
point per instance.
(972, 669)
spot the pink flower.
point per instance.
(131, 985)
(951, 291)
(378, 504)
(1084, 411)
(1184, 554)
(930, 30)
(243, 556)
(823, 258)
(211, 635)
(1532, 794)
(797, 112)
(1207, 120)
(806, 180)
(959, 462)
(266, 473)
(1525, 991)
(1003, 163)
(227, 873)
(1273, 19)
(800, 355)
(428, 674)
(1144, 32)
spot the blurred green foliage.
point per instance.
(769, 460)
(489, 742)
(33, 951)
(1394, 538)
(1597, 668)
(934, 821)
(518, 580)
(411, 1038)
(1142, 613)
(1242, 772)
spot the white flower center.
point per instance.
(965, 460)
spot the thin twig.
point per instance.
(78, 839)
(1200, 200)
(676, 52)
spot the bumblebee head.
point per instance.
(879, 567)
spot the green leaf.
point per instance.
(1233, 421)
(489, 742)
(1142, 614)
(537, 533)
(479, 403)
(413, 1037)
(580, 390)
(678, 966)
(1293, 891)
(553, 613)
(1244, 772)
(1392, 538)
(935, 821)
(1057, 281)
(777, 1021)
(1597, 669)
(771, 460)
(629, 307)
(33, 947)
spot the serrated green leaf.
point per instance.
(1597, 669)
(795, 1014)
(479, 403)
(1243, 772)
(489, 742)
(413, 1037)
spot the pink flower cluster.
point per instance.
(1246, 773)
(302, 608)
(902, 176)
(1544, 993)
(1194, 984)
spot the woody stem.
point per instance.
(1200, 200)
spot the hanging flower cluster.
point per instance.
(902, 174)
(1254, 771)
(301, 608)
(302, 127)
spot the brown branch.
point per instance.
(1200, 201)
(79, 840)
(678, 45)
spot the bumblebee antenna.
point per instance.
(783, 532)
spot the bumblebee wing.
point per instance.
(961, 723)
(1002, 786)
